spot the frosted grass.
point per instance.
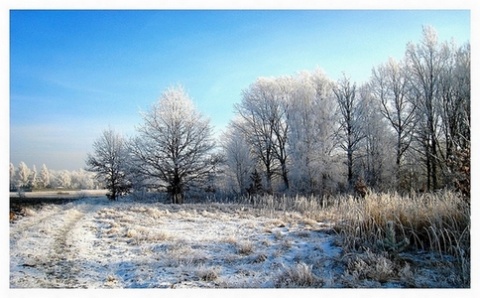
(95, 244)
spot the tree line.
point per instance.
(407, 128)
(23, 178)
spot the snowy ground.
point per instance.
(94, 243)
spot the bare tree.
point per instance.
(455, 97)
(174, 144)
(350, 120)
(375, 148)
(389, 85)
(109, 160)
(239, 158)
(425, 62)
(263, 115)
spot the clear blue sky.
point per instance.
(75, 73)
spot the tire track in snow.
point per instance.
(62, 266)
(51, 234)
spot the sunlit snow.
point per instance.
(94, 243)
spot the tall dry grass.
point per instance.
(388, 222)
(438, 223)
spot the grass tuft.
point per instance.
(245, 247)
(208, 273)
(299, 276)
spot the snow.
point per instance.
(95, 243)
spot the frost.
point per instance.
(96, 244)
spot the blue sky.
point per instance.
(75, 73)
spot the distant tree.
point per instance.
(82, 179)
(174, 144)
(44, 180)
(87, 180)
(63, 179)
(33, 177)
(110, 161)
(22, 175)
(12, 177)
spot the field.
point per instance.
(275, 243)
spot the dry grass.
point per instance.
(382, 226)
(208, 273)
(388, 240)
(245, 247)
(438, 223)
(298, 276)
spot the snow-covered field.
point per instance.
(94, 243)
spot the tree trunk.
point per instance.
(350, 168)
(176, 190)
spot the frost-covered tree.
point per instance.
(425, 62)
(238, 157)
(311, 133)
(351, 119)
(456, 119)
(389, 86)
(375, 150)
(263, 114)
(289, 127)
(33, 177)
(455, 97)
(109, 161)
(174, 144)
(44, 180)
(83, 179)
(63, 179)
(23, 175)
(12, 177)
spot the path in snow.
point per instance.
(42, 247)
(94, 243)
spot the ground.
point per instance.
(95, 243)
